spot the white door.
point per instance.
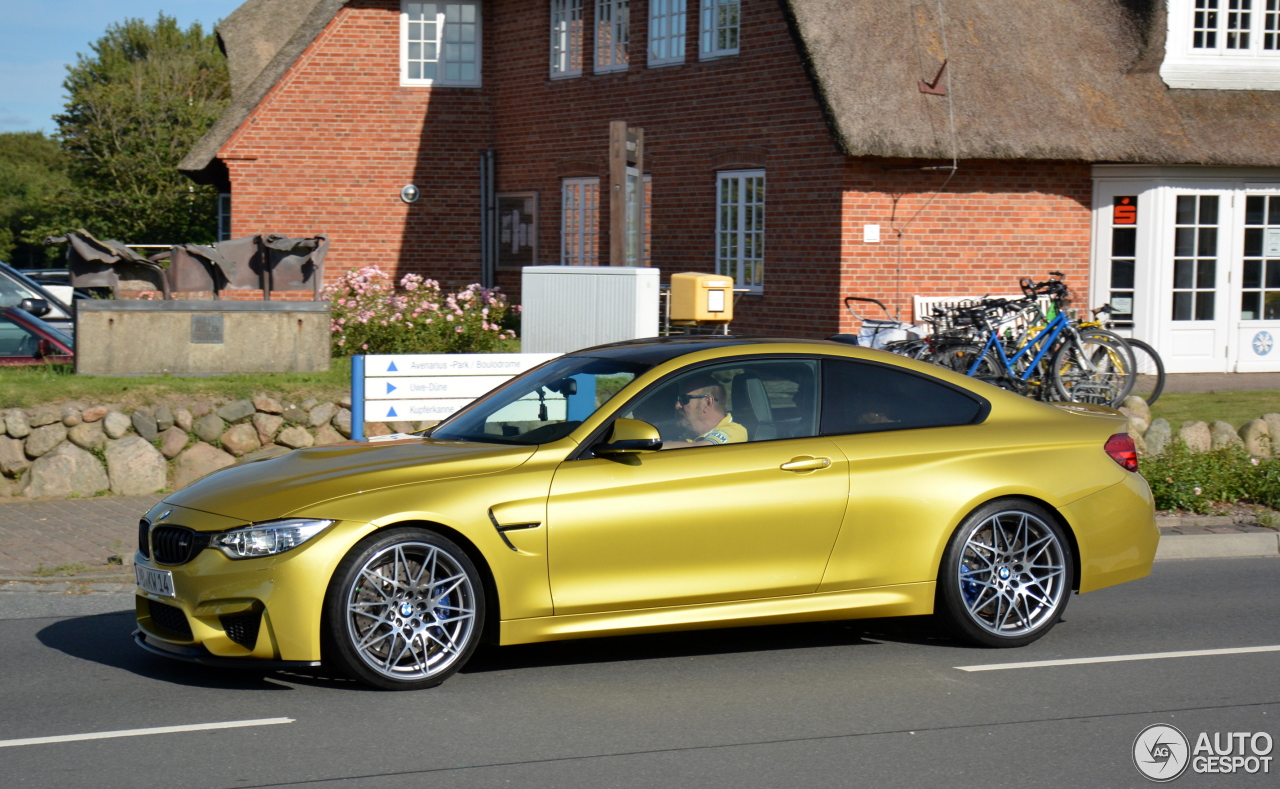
(1123, 275)
(1256, 282)
(1195, 250)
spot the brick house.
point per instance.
(1133, 144)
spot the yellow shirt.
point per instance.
(727, 432)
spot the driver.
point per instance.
(702, 415)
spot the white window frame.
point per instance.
(580, 225)
(709, 47)
(440, 43)
(1221, 67)
(613, 36)
(668, 25)
(736, 227)
(224, 216)
(567, 38)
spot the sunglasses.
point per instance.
(685, 398)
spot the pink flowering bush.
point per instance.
(370, 314)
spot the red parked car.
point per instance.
(25, 339)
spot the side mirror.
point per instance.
(631, 436)
(37, 307)
(47, 348)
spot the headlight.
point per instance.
(268, 539)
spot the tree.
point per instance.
(135, 106)
(33, 170)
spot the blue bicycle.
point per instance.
(1015, 345)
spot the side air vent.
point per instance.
(243, 628)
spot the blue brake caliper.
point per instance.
(968, 587)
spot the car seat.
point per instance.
(751, 407)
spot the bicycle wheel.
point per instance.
(1150, 370)
(1096, 366)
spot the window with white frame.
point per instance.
(666, 32)
(440, 44)
(566, 38)
(224, 216)
(1260, 284)
(612, 31)
(740, 227)
(720, 26)
(580, 222)
(1223, 44)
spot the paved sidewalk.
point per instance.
(79, 535)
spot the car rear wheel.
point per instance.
(405, 610)
(1006, 575)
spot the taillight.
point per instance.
(1123, 451)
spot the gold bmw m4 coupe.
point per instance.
(648, 486)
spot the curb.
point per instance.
(1217, 546)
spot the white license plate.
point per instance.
(155, 581)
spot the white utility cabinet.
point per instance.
(572, 307)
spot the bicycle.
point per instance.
(1057, 362)
(1149, 366)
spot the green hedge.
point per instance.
(1184, 480)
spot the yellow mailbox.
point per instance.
(701, 298)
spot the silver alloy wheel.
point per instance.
(410, 611)
(1012, 574)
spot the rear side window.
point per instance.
(858, 397)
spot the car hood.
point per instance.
(274, 488)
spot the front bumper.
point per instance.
(282, 595)
(198, 654)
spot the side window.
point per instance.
(858, 397)
(16, 341)
(734, 403)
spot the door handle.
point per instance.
(806, 464)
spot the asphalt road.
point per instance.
(877, 704)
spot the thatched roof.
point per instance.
(261, 39)
(1030, 79)
(1073, 80)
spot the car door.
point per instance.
(912, 443)
(706, 523)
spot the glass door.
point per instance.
(1258, 285)
(1195, 260)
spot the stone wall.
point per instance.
(1153, 436)
(82, 449)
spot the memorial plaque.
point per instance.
(206, 329)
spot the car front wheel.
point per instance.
(405, 610)
(1006, 575)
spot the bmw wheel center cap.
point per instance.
(406, 609)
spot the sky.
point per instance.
(40, 38)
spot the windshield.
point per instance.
(543, 405)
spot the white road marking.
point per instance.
(1119, 658)
(104, 735)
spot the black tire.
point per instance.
(407, 631)
(1150, 370)
(1008, 559)
(1108, 376)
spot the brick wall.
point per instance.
(329, 148)
(697, 117)
(995, 222)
